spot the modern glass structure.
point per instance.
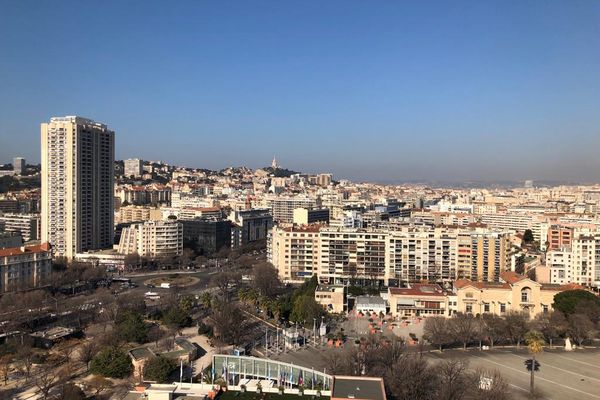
(233, 369)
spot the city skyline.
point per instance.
(443, 92)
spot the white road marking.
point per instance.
(577, 361)
(546, 364)
(539, 377)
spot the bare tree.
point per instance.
(453, 379)
(437, 331)
(490, 385)
(551, 325)
(516, 326)
(493, 327)
(86, 353)
(5, 362)
(463, 328)
(46, 379)
(266, 279)
(581, 328)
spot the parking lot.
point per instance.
(562, 375)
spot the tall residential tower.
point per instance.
(77, 185)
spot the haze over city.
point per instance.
(398, 91)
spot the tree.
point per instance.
(551, 325)
(99, 384)
(111, 362)
(453, 379)
(494, 327)
(265, 279)
(306, 309)
(581, 328)
(223, 280)
(206, 299)
(567, 301)
(176, 317)
(70, 391)
(535, 344)
(414, 379)
(516, 326)
(86, 353)
(5, 362)
(131, 327)
(46, 379)
(463, 328)
(528, 236)
(437, 331)
(490, 385)
(25, 357)
(520, 264)
(159, 369)
(229, 323)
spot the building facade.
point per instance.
(133, 167)
(152, 239)
(25, 267)
(77, 185)
(26, 225)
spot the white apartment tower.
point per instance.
(77, 185)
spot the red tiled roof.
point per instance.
(15, 251)
(461, 283)
(511, 277)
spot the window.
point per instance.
(486, 307)
(525, 295)
(469, 308)
(502, 307)
(545, 308)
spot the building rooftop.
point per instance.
(358, 388)
(17, 251)
(418, 289)
(363, 301)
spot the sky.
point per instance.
(382, 91)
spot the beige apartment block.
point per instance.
(77, 185)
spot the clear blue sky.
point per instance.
(449, 90)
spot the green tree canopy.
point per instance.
(528, 236)
(159, 369)
(130, 327)
(176, 317)
(305, 309)
(567, 301)
(111, 362)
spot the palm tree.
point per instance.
(535, 343)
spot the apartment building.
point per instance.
(152, 239)
(295, 252)
(133, 167)
(24, 267)
(408, 254)
(133, 213)
(303, 216)
(579, 264)
(77, 185)
(282, 208)
(252, 225)
(19, 165)
(26, 225)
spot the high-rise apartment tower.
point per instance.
(77, 185)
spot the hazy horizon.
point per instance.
(442, 91)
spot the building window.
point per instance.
(486, 307)
(545, 308)
(469, 308)
(502, 307)
(525, 295)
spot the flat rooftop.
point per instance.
(355, 387)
